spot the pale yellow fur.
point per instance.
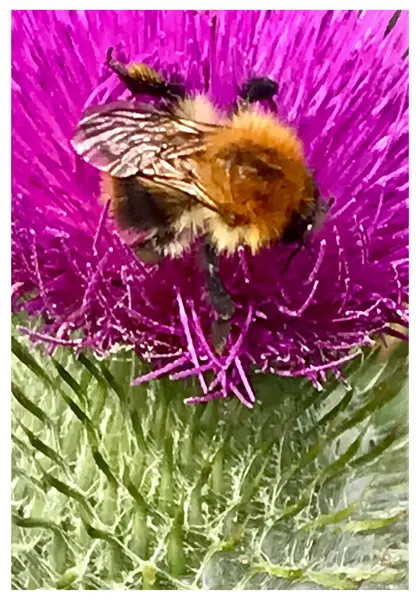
(201, 220)
(199, 109)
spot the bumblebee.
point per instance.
(181, 170)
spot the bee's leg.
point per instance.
(148, 253)
(258, 89)
(153, 248)
(117, 67)
(156, 246)
(141, 79)
(219, 298)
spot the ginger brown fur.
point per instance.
(254, 170)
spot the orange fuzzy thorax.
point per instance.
(254, 170)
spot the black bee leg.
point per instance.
(142, 79)
(258, 89)
(116, 66)
(148, 253)
(220, 300)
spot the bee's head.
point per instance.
(308, 218)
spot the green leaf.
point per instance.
(309, 490)
(23, 354)
(39, 445)
(29, 405)
(69, 379)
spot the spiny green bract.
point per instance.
(126, 488)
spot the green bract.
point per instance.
(125, 487)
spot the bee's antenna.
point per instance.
(308, 248)
(302, 244)
(292, 256)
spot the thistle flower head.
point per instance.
(343, 85)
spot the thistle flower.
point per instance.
(343, 84)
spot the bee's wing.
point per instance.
(125, 139)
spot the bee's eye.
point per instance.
(297, 228)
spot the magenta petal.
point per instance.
(342, 84)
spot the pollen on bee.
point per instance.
(142, 72)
